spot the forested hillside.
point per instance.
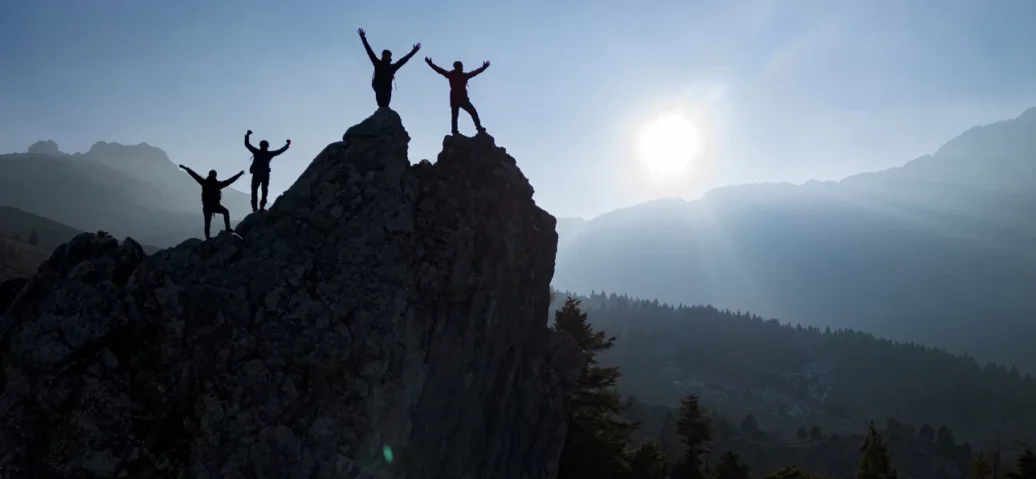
(633, 439)
(789, 376)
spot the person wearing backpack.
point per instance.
(384, 70)
(260, 168)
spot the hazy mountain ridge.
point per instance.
(50, 234)
(128, 190)
(19, 259)
(937, 251)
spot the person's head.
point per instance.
(212, 174)
(264, 145)
(386, 55)
(458, 66)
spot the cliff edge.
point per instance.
(380, 320)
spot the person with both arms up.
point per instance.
(260, 168)
(384, 70)
(212, 196)
(459, 91)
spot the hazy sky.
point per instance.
(784, 90)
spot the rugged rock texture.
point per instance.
(9, 289)
(381, 320)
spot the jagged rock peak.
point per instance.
(45, 147)
(140, 151)
(380, 320)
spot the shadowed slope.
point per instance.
(376, 307)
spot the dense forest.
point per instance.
(789, 376)
(647, 436)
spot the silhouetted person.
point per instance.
(211, 196)
(459, 91)
(384, 70)
(260, 168)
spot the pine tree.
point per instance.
(730, 467)
(875, 463)
(1025, 466)
(595, 445)
(693, 429)
(815, 433)
(980, 468)
(647, 462)
(33, 240)
(802, 435)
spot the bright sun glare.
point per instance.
(667, 145)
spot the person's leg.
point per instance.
(255, 186)
(265, 184)
(226, 217)
(468, 107)
(453, 118)
(208, 221)
(383, 95)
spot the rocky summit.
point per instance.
(381, 320)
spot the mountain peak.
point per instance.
(45, 147)
(1013, 140)
(119, 151)
(376, 308)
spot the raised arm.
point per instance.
(249, 144)
(478, 70)
(402, 61)
(367, 46)
(282, 150)
(193, 174)
(435, 67)
(227, 182)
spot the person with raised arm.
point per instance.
(212, 196)
(260, 168)
(384, 70)
(459, 91)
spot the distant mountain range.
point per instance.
(941, 251)
(126, 190)
(938, 251)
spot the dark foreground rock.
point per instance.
(381, 320)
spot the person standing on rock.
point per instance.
(384, 70)
(212, 196)
(459, 91)
(260, 168)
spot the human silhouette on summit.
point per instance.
(212, 196)
(384, 70)
(260, 168)
(459, 91)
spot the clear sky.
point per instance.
(782, 90)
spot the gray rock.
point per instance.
(45, 147)
(380, 320)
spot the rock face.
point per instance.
(45, 147)
(380, 320)
(142, 161)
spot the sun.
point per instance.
(667, 145)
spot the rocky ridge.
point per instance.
(380, 320)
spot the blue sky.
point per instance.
(783, 90)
